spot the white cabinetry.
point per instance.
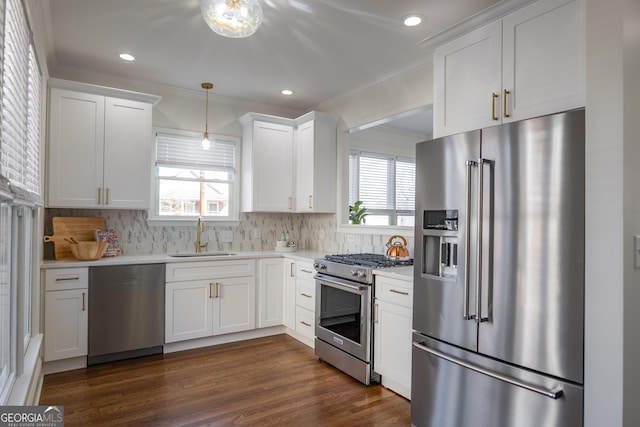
(316, 163)
(99, 147)
(267, 164)
(305, 302)
(209, 298)
(300, 300)
(289, 294)
(66, 314)
(270, 285)
(392, 333)
(528, 64)
(271, 181)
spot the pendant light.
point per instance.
(206, 143)
(232, 18)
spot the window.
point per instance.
(194, 182)
(386, 186)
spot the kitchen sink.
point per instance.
(200, 254)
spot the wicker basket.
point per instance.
(87, 251)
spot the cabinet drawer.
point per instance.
(306, 295)
(305, 322)
(395, 291)
(305, 271)
(181, 271)
(60, 279)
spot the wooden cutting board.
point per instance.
(80, 228)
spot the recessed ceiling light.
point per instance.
(127, 57)
(286, 92)
(412, 20)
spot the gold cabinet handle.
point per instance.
(504, 103)
(106, 196)
(64, 279)
(217, 290)
(493, 106)
(306, 295)
(210, 286)
(375, 313)
(290, 203)
(305, 270)
(292, 270)
(310, 204)
(99, 195)
(398, 292)
(305, 323)
(83, 304)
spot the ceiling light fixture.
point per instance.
(286, 92)
(412, 20)
(127, 56)
(232, 18)
(206, 143)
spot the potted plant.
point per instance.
(357, 213)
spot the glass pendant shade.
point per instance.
(232, 18)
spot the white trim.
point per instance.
(223, 339)
(26, 388)
(103, 90)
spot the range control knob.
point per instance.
(357, 273)
(318, 266)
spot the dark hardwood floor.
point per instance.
(273, 381)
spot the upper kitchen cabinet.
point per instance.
(530, 63)
(99, 147)
(271, 180)
(267, 163)
(316, 171)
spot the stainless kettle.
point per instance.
(396, 249)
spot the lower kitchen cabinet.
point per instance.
(299, 300)
(392, 333)
(66, 316)
(270, 292)
(289, 294)
(209, 306)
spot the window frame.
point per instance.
(392, 185)
(155, 219)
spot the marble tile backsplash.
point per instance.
(312, 232)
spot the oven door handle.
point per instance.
(349, 287)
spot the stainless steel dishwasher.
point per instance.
(126, 312)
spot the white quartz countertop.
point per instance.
(402, 273)
(166, 259)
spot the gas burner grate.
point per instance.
(367, 260)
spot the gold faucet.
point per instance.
(199, 232)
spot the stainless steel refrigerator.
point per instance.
(498, 312)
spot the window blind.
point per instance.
(405, 184)
(14, 92)
(32, 152)
(179, 150)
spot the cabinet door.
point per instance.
(305, 167)
(76, 138)
(290, 293)
(467, 74)
(392, 345)
(316, 170)
(127, 154)
(188, 310)
(234, 307)
(270, 287)
(66, 324)
(543, 54)
(272, 167)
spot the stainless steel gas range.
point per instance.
(344, 297)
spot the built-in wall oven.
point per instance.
(344, 297)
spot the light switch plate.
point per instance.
(227, 236)
(636, 252)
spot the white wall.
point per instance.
(612, 347)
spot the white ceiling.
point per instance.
(320, 49)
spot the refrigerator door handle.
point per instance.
(555, 394)
(479, 317)
(467, 241)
